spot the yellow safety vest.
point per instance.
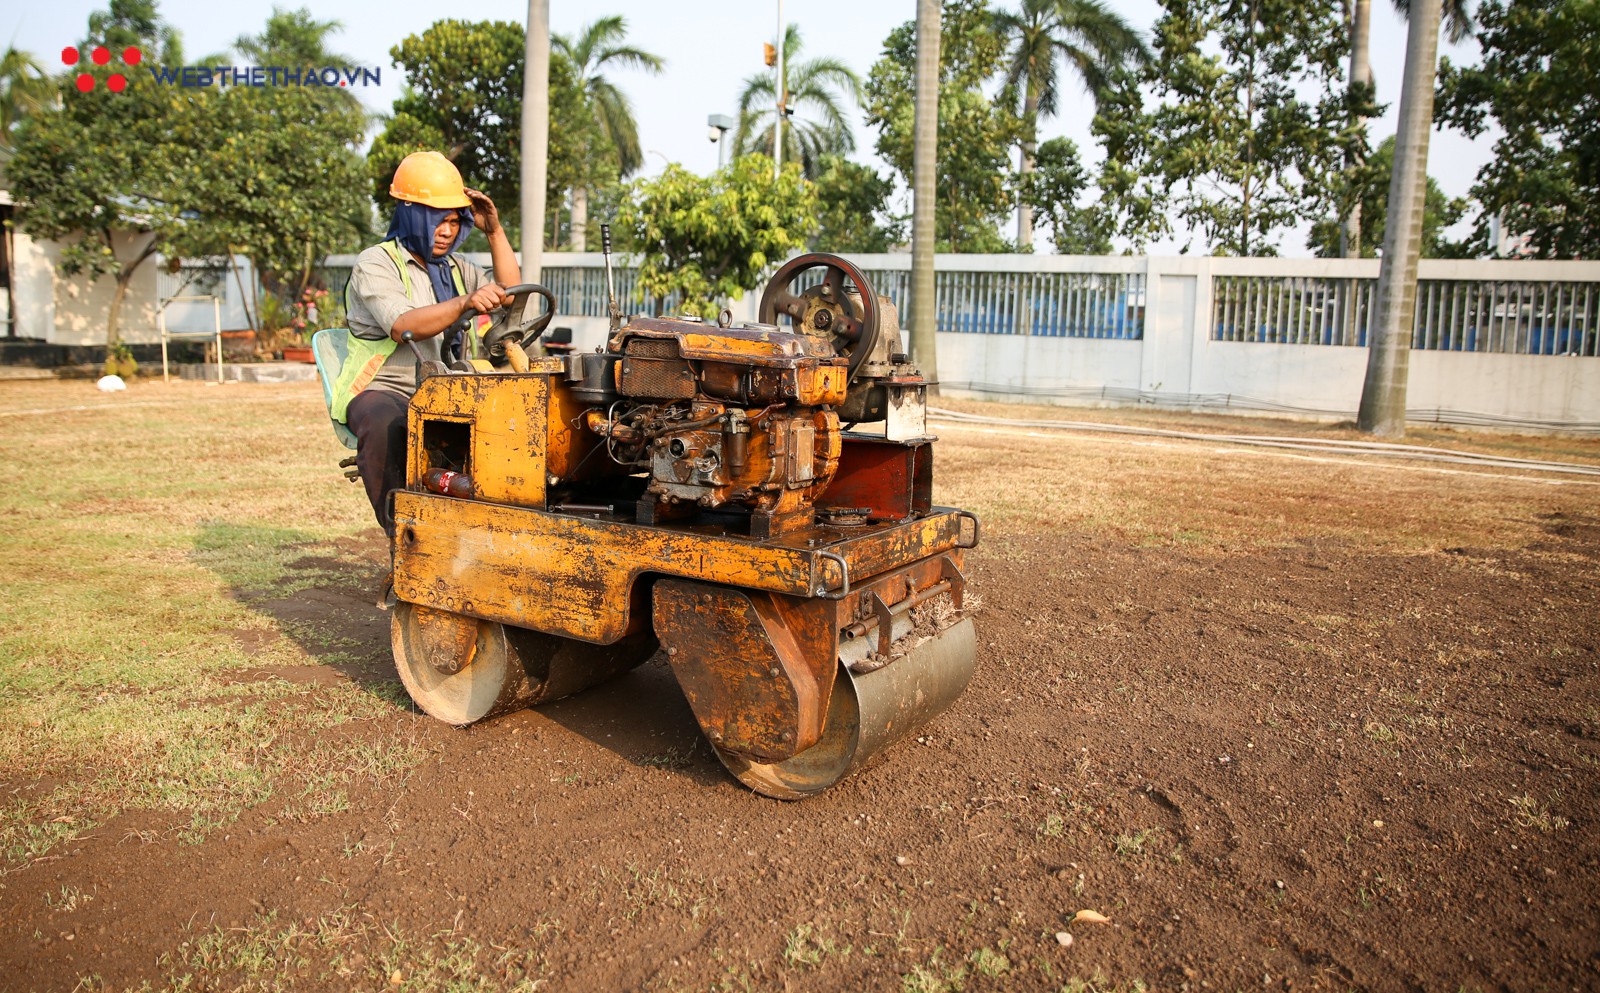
(364, 356)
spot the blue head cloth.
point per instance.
(413, 225)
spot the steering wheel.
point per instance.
(826, 309)
(502, 331)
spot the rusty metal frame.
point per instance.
(574, 575)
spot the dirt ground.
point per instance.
(1350, 740)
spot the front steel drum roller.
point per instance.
(461, 670)
(827, 308)
(868, 713)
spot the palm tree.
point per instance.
(535, 165)
(1045, 35)
(1456, 14)
(294, 39)
(600, 46)
(925, 162)
(1458, 22)
(25, 89)
(814, 85)
(1383, 393)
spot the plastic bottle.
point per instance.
(448, 483)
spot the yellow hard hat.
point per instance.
(429, 178)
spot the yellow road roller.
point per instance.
(754, 499)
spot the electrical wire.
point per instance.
(1325, 446)
(1237, 401)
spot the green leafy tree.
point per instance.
(1537, 86)
(119, 178)
(710, 239)
(1045, 37)
(975, 133)
(1248, 129)
(96, 170)
(25, 90)
(286, 182)
(308, 200)
(1439, 214)
(1053, 189)
(464, 98)
(853, 212)
(138, 23)
(817, 93)
(610, 147)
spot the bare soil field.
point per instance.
(1276, 720)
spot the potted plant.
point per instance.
(312, 312)
(272, 317)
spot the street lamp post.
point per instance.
(777, 120)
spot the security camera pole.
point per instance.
(718, 126)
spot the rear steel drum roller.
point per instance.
(867, 713)
(461, 670)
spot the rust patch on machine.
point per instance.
(757, 668)
(893, 481)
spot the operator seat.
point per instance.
(330, 348)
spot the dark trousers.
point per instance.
(378, 420)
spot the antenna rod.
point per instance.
(611, 283)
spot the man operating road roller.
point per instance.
(414, 288)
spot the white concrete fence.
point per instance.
(1496, 343)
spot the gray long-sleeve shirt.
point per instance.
(377, 299)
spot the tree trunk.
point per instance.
(124, 279)
(255, 297)
(114, 316)
(1360, 73)
(305, 273)
(924, 163)
(1383, 395)
(580, 219)
(535, 138)
(1030, 150)
(1250, 143)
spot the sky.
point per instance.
(710, 47)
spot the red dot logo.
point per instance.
(101, 55)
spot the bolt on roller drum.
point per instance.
(869, 712)
(461, 670)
